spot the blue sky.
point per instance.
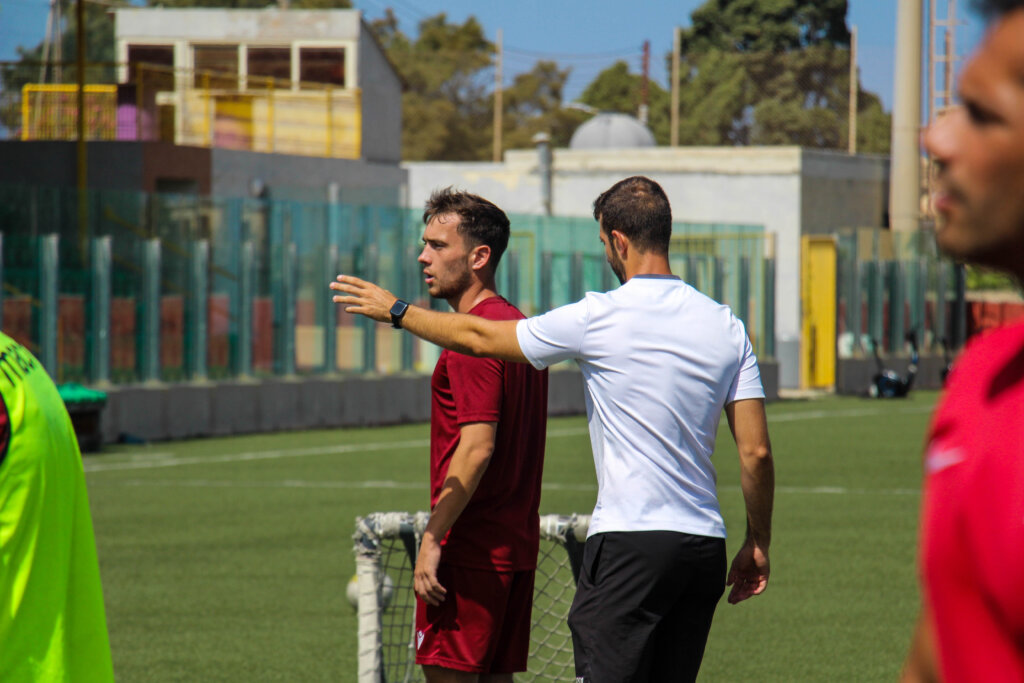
(587, 35)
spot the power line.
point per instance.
(575, 55)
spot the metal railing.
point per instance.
(199, 108)
(890, 284)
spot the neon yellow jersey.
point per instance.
(52, 621)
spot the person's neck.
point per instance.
(647, 264)
(465, 301)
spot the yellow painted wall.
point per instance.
(818, 306)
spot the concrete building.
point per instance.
(789, 191)
(290, 104)
(317, 72)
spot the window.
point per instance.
(216, 66)
(269, 62)
(153, 64)
(322, 65)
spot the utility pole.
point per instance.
(939, 98)
(83, 167)
(642, 113)
(854, 90)
(676, 46)
(905, 184)
(496, 153)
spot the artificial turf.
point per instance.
(228, 559)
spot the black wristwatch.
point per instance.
(397, 312)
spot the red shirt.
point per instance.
(500, 527)
(972, 550)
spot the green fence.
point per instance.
(164, 288)
(891, 284)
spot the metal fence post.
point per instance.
(607, 276)
(959, 321)
(512, 271)
(691, 271)
(576, 276)
(408, 270)
(150, 314)
(545, 281)
(939, 331)
(330, 310)
(197, 337)
(896, 303)
(368, 270)
(718, 280)
(289, 272)
(768, 336)
(853, 304)
(101, 266)
(743, 303)
(246, 279)
(48, 287)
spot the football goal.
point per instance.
(386, 546)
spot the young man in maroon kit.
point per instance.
(474, 574)
(972, 529)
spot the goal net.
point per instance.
(386, 546)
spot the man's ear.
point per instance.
(620, 243)
(479, 257)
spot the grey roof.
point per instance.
(611, 130)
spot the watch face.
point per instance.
(397, 311)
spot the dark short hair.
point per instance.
(993, 9)
(638, 208)
(481, 222)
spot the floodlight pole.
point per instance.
(854, 90)
(83, 168)
(496, 152)
(676, 40)
(905, 184)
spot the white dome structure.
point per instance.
(612, 130)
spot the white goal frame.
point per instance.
(386, 544)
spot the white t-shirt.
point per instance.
(659, 360)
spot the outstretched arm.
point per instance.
(749, 572)
(468, 334)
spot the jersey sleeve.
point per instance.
(747, 382)
(554, 336)
(477, 387)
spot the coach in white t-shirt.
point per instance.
(660, 362)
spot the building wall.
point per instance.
(382, 104)
(843, 191)
(306, 178)
(130, 166)
(225, 26)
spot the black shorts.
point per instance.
(644, 605)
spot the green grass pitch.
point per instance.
(227, 559)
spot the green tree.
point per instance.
(253, 4)
(30, 68)
(772, 72)
(446, 107)
(616, 89)
(533, 104)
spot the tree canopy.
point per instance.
(762, 72)
(770, 72)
